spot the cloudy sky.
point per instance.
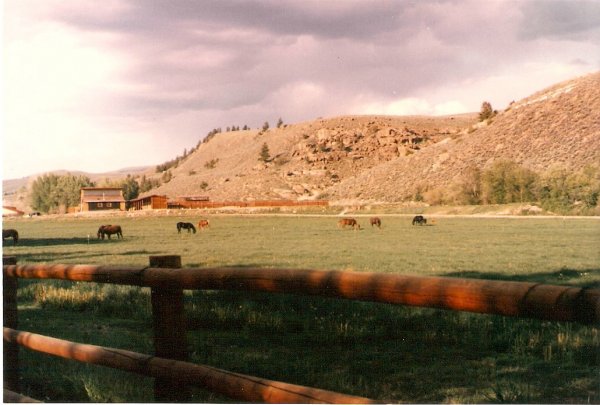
(103, 85)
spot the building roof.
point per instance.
(8, 211)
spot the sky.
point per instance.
(97, 86)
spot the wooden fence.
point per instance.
(167, 281)
(181, 203)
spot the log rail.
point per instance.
(508, 298)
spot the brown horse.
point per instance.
(344, 222)
(10, 233)
(203, 224)
(108, 230)
(375, 221)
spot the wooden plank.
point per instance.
(508, 298)
(233, 385)
(170, 341)
(11, 320)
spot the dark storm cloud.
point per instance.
(226, 55)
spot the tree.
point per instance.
(279, 123)
(131, 188)
(265, 126)
(264, 153)
(51, 192)
(148, 184)
(486, 111)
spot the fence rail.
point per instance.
(233, 385)
(508, 298)
(167, 281)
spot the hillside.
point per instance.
(557, 126)
(307, 159)
(390, 158)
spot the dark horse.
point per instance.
(375, 221)
(185, 225)
(10, 233)
(419, 219)
(110, 230)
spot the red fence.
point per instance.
(181, 203)
(519, 299)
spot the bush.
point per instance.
(486, 111)
(507, 182)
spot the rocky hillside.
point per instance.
(557, 126)
(307, 159)
(387, 159)
(392, 158)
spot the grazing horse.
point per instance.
(376, 221)
(10, 233)
(203, 224)
(419, 219)
(185, 225)
(344, 222)
(108, 230)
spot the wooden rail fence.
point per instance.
(167, 280)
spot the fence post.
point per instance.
(169, 331)
(11, 350)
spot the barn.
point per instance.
(102, 199)
(151, 202)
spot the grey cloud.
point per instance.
(567, 19)
(388, 49)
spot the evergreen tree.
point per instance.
(486, 111)
(264, 153)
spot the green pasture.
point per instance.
(391, 353)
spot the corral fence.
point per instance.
(169, 365)
(186, 204)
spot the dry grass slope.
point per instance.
(386, 158)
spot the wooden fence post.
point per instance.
(169, 331)
(11, 350)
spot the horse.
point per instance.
(10, 233)
(344, 222)
(419, 219)
(376, 221)
(203, 224)
(109, 230)
(185, 225)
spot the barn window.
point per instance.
(100, 205)
(108, 205)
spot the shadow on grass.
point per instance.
(563, 276)
(26, 242)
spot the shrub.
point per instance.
(486, 111)
(264, 153)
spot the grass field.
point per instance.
(381, 351)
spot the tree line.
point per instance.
(557, 189)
